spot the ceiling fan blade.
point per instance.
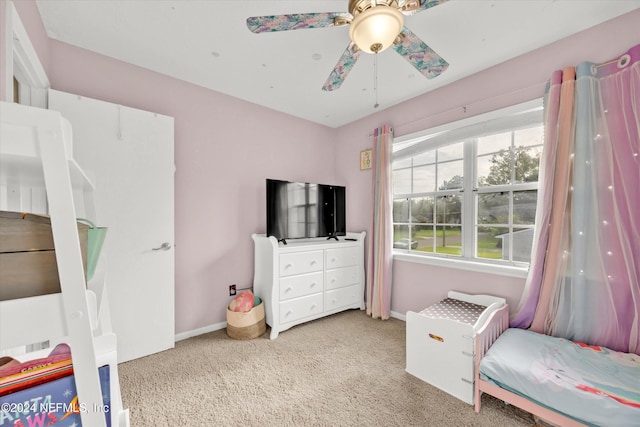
(421, 56)
(411, 9)
(342, 68)
(267, 24)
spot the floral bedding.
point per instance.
(592, 384)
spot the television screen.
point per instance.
(298, 210)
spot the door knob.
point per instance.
(163, 247)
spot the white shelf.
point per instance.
(27, 171)
(32, 329)
(36, 157)
(20, 157)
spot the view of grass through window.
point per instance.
(432, 199)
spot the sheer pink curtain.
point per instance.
(584, 280)
(380, 241)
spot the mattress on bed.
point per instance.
(592, 384)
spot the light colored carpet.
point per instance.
(343, 370)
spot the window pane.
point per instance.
(424, 179)
(527, 162)
(428, 157)
(522, 240)
(449, 209)
(529, 137)
(400, 210)
(494, 143)
(450, 175)
(493, 208)
(400, 164)
(425, 245)
(400, 235)
(491, 242)
(422, 210)
(448, 240)
(499, 165)
(423, 235)
(451, 152)
(483, 169)
(524, 207)
(402, 181)
(422, 222)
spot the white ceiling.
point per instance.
(206, 42)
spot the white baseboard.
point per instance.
(204, 330)
(217, 326)
(398, 316)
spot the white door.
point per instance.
(129, 155)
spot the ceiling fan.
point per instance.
(375, 25)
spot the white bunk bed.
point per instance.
(441, 341)
(38, 175)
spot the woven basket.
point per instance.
(246, 326)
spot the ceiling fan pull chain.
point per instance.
(375, 78)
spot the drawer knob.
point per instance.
(313, 306)
(313, 284)
(333, 260)
(288, 266)
(289, 289)
(289, 313)
(313, 262)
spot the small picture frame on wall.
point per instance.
(366, 159)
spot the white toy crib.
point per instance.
(441, 341)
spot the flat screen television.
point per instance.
(302, 210)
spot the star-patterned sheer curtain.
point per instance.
(584, 278)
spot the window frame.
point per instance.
(520, 116)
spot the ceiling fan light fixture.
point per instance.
(376, 28)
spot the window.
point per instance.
(468, 191)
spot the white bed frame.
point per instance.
(440, 351)
(496, 324)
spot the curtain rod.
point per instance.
(391, 129)
(467, 106)
(621, 59)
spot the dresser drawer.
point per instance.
(300, 262)
(301, 285)
(299, 308)
(342, 297)
(341, 277)
(341, 257)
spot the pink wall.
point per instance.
(416, 286)
(521, 79)
(225, 148)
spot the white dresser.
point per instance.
(308, 278)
